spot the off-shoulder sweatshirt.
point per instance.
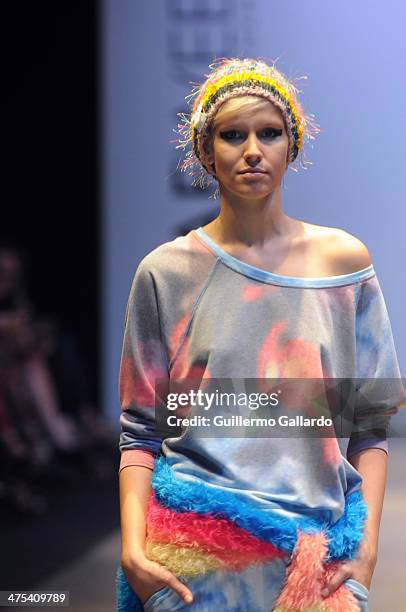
(197, 312)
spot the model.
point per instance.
(227, 520)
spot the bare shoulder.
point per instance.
(343, 252)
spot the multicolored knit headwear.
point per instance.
(229, 78)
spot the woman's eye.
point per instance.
(273, 132)
(235, 134)
(230, 134)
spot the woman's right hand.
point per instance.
(147, 577)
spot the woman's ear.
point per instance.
(209, 156)
(211, 169)
(209, 159)
(208, 150)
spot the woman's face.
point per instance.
(250, 139)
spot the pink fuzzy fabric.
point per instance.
(306, 576)
(233, 546)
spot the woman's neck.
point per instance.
(251, 222)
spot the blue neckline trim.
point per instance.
(280, 279)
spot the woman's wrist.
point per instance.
(132, 556)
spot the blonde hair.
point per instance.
(242, 103)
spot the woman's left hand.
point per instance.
(361, 569)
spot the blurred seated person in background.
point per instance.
(47, 418)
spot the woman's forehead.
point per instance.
(250, 116)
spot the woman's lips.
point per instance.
(256, 175)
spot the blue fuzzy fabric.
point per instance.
(126, 599)
(346, 534)
(343, 537)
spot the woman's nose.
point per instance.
(252, 149)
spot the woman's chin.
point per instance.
(251, 188)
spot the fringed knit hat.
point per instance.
(229, 78)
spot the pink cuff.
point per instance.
(136, 457)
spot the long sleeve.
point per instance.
(143, 361)
(378, 380)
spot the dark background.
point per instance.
(50, 209)
(50, 145)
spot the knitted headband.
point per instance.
(229, 78)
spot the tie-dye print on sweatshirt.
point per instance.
(195, 311)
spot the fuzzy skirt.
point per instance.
(235, 557)
(230, 571)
